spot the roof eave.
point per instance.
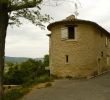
(77, 21)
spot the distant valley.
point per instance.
(19, 59)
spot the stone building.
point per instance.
(78, 48)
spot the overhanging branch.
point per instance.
(29, 4)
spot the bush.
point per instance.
(14, 76)
(44, 78)
(25, 72)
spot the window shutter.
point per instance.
(64, 33)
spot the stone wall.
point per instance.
(83, 52)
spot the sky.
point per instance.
(30, 41)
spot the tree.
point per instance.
(25, 72)
(10, 12)
(14, 76)
(46, 60)
(31, 68)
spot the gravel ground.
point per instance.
(92, 89)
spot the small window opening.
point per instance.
(102, 54)
(66, 58)
(106, 41)
(71, 32)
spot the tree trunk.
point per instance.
(3, 28)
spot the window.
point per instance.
(102, 54)
(66, 58)
(71, 32)
(68, 32)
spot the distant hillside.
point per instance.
(15, 59)
(18, 59)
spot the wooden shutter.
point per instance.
(64, 33)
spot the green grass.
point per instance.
(15, 94)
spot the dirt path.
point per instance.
(93, 89)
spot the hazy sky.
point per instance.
(30, 41)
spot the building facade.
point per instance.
(78, 48)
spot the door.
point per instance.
(99, 66)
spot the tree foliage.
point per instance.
(26, 71)
(46, 60)
(24, 9)
(10, 13)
